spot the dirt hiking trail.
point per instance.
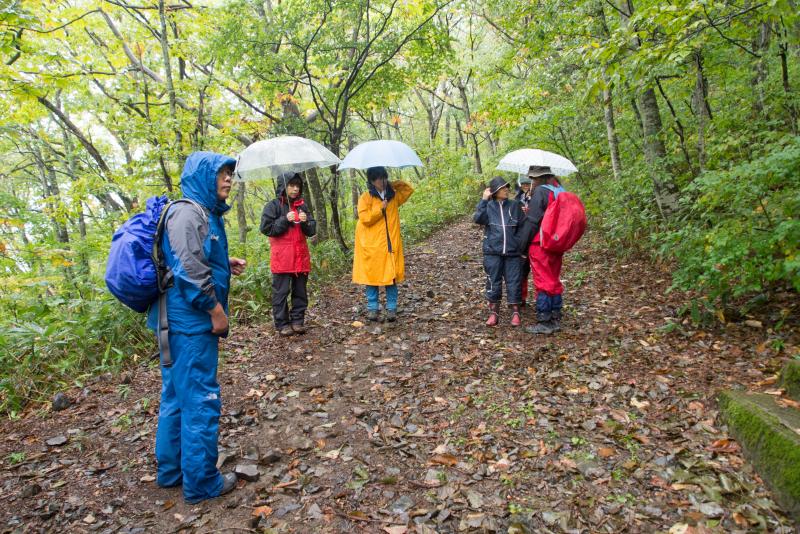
(434, 423)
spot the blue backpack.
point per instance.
(135, 265)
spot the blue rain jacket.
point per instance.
(196, 249)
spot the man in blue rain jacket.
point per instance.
(195, 250)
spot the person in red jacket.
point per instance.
(287, 221)
(545, 265)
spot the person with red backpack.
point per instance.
(287, 221)
(545, 264)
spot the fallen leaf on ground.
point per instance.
(788, 403)
(444, 459)
(265, 511)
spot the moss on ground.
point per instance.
(768, 434)
(790, 379)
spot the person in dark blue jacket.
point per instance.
(500, 218)
(195, 251)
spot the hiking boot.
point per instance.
(492, 320)
(391, 315)
(228, 483)
(298, 329)
(515, 320)
(372, 315)
(544, 327)
(286, 331)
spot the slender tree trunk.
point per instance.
(611, 131)
(83, 257)
(459, 135)
(173, 112)
(241, 213)
(318, 202)
(791, 106)
(677, 127)
(761, 46)
(447, 130)
(700, 105)
(462, 91)
(666, 191)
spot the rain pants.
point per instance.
(195, 249)
(545, 265)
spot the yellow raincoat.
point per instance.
(373, 264)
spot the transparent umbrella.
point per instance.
(519, 160)
(382, 153)
(289, 153)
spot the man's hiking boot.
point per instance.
(391, 315)
(492, 320)
(298, 329)
(515, 321)
(543, 327)
(228, 483)
(286, 331)
(372, 315)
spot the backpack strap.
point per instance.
(165, 278)
(554, 189)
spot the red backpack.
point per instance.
(564, 221)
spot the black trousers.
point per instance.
(282, 286)
(499, 269)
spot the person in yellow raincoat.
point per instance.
(378, 258)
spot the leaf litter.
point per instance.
(433, 423)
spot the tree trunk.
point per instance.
(761, 45)
(459, 135)
(336, 218)
(354, 195)
(666, 191)
(791, 107)
(677, 127)
(318, 203)
(83, 257)
(241, 213)
(700, 105)
(462, 91)
(611, 131)
(173, 113)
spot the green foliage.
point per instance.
(741, 233)
(48, 339)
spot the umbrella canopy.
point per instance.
(289, 153)
(381, 154)
(519, 161)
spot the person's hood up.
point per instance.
(199, 179)
(497, 184)
(283, 180)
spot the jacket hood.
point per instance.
(282, 180)
(199, 179)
